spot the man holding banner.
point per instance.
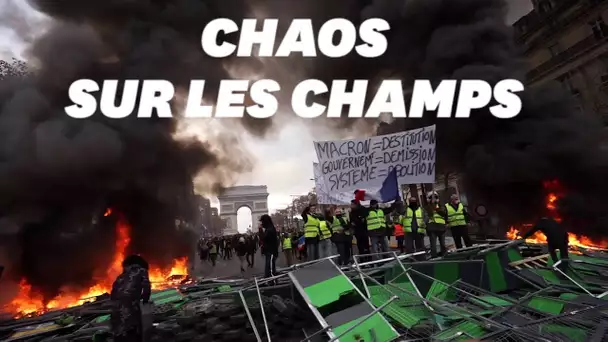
(343, 166)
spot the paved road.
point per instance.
(231, 267)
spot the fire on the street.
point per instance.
(573, 239)
(28, 302)
(554, 193)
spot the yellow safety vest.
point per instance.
(406, 221)
(436, 218)
(213, 249)
(311, 228)
(287, 243)
(325, 232)
(375, 219)
(456, 217)
(337, 228)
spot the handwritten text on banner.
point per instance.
(323, 195)
(365, 163)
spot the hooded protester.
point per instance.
(129, 288)
(270, 245)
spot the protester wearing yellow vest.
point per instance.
(312, 232)
(436, 228)
(325, 245)
(414, 226)
(376, 227)
(341, 236)
(458, 220)
(287, 249)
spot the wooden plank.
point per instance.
(525, 261)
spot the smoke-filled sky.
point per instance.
(57, 172)
(281, 161)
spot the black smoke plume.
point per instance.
(59, 175)
(503, 162)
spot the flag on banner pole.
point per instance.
(387, 193)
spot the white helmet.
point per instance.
(432, 195)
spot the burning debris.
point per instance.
(503, 162)
(29, 301)
(554, 192)
(57, 174)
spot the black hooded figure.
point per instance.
(129, 288)
(270, 245)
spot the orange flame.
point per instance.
(29, 302)
(165, 278)
(539, 237)
(573, 239)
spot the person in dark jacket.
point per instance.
(129, 288)
(270, 245)
(359, 227)
(241, 250)
(250, 245)
(557, 237)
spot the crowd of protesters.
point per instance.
(270, 241)
(333, 231)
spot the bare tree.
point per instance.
(12, 68)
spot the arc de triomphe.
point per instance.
(255, 197)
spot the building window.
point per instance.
(598, 26)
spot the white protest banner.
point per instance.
(348, 165)
(323, 196)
